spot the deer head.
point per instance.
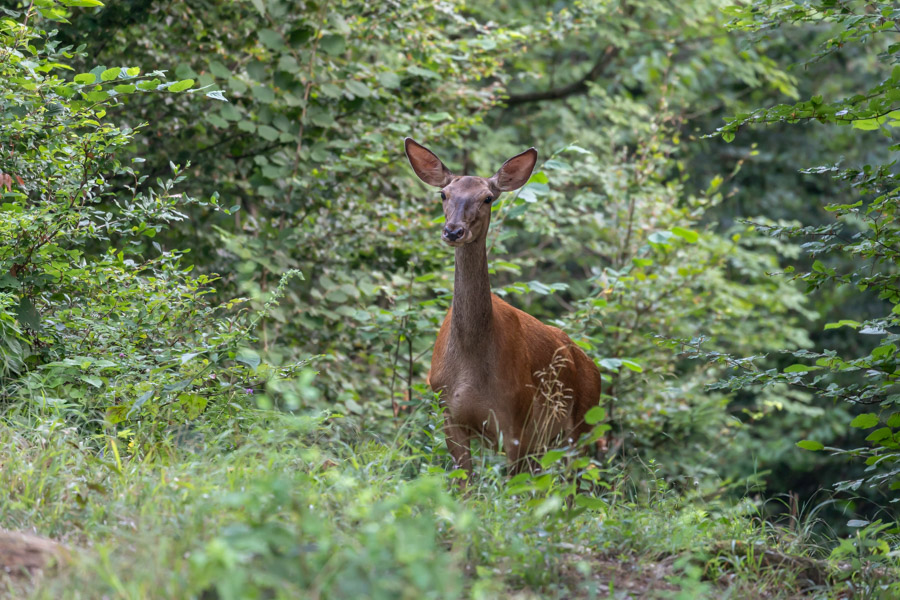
(467, 200)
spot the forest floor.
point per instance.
(287, 508)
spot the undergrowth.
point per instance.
(270, 505)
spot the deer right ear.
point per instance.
(426, 164)
(515, 172)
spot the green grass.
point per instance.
(278, 506)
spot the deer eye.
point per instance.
(443, 196)
(489, 199)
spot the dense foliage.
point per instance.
(220, 283)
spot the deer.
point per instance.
(500, 374)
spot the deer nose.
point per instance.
(453, 232)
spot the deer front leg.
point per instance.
(459, 440)
(518, 455)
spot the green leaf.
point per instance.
(92, 380)
(589, 502)
(125, 89)
(868, 124)
(558, 165)
(880, 434)
(660, 238)
(686, 234)
(613, 364)
(264, 94)
(800, 368)
(865, 421)
(187, 356)
(333, 44)
(180, 86)
(271, 39)
(27, 314)
(843, 323)
(595, 415)
(811, 445)
(551, 457)
(150, 84)
(249, 358)
(85, 78)
(110, 74)
(359, 89)
(632, 366)
(388, 79)
(894, 420)
(538, 177)
(97, 96)
(267, 133)
(136, 407)
(438, 116)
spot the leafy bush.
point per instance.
(109, 325)
(863, 229)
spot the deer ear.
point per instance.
(426, 164)
(515, 172)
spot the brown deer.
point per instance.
(502, 374)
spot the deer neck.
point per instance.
(472, 311)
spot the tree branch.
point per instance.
(576, 87)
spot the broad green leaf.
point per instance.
(865, 421)
(613, 364)
(632, 366)
(268, 133)
(333, 44)
(538, 177)
(359, 89)
(811, 445)
(686, 234)
(894, 420)
(110, 74)
(180, 86)
(28, 315)
(136, 407)
(868, 124)
(551, 457)
(249, 358)
(150, 84)
(595, 415)
(85, 78)
(92, 380)
(800, 368)
(388, 79)
(436, 117)
(558, 165)
(219, 70)
(880, 434)
(271, 39)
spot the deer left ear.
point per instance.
(515, 172)
(426, 164)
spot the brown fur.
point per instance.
(502, 374)
(500, 392)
